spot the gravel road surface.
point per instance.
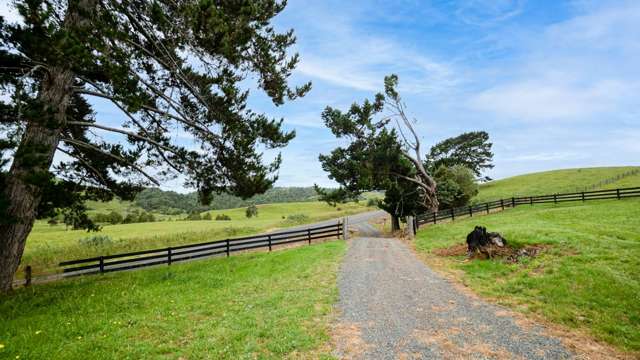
(392, 306)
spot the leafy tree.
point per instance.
(456, 186)
(170, 67)
(378, 156)
(251, 211)
(471, 150)
(115, 218)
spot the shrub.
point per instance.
(194, 215)
(222, 217)
(206, 216)
(456, 186)
(95, 240)
(251, 211)
(372, 202)
(296, 219)
(114, 218)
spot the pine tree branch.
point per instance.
(130, 133)
(122, 160)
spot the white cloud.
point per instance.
(488, 12)
(583, 68)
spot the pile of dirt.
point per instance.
(508, 253)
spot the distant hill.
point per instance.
(170, 202)
(560, 181)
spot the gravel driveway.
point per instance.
(394, 307)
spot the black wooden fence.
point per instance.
(454, 213)
(169, 255)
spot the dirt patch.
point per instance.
(507, 253)
(348, 341)
(452, 350)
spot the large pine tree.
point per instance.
(168, 66)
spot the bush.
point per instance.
(194, 215)
(52, 222)
(297, 219)
(251, 211)
(372, 202)
(206, 216)
(456, 186)
(114, 218)
(222, 217)
(95, 241)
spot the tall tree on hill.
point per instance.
(471, 150)
(383, 154)
(170, 67)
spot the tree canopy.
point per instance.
(172, 69)
(383, 153)
(470, 149)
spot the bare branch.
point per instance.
(97, 149)
(132, 134)
(85, 163)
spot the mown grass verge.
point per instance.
(259, 305)
(587, 278)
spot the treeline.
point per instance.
(173, 203)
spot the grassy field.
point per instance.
(587, 278)
(556, 181)
(48, 245)
(262, 305)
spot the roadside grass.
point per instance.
(258, 305)
(48, 245)
(556, 181)
(587, 279)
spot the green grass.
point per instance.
(48, 245)
(588, 278)
(556, 181)
(261, 305)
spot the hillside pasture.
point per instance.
(259, 305)
(47, 245)
(556, 181)
(586, 277)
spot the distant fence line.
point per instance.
(458, 212)
(610, 180)
(169, 255)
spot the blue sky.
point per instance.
(555, 83)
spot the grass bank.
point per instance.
(48, 245)
(557, 181)
(261, 305)
(586, 279)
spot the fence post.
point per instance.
(453, 215)
(227, 247)
(555, 198)
(309, 235)
(411, 230)
(169, 256)
(502, 203)
(101, 264)
(513, 202)
(435, 214)
(486, 205)
(531, 200)
(269, 237)
(618, 193)
(27, 275)
(345, 228)
(583, 196)
(470, 212)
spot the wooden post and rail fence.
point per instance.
(452, 214)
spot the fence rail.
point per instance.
(487, 207)
(169, 255)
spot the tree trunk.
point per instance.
(395, 223)
(30, 168)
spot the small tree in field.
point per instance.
(173, 69)
(383, 153)
(251, 211)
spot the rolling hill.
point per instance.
(560, 181)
